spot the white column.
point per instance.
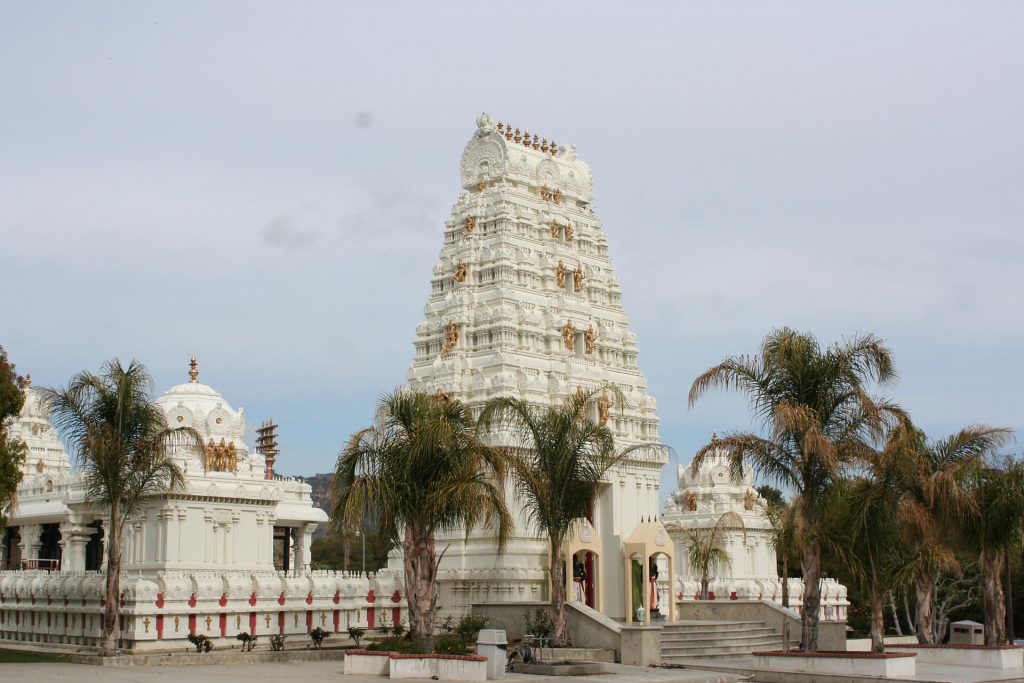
(73, 539)
(30, 543)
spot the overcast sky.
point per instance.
(265, 185)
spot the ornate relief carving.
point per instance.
(554, 229)
(545, 193)
(470, 226)
(569, 335)
(442, 397)
(568, 233)
(560, 275)
(220, 457)
(604, 406)
(460, 272)
(748, 500)
(451, 336)
(691, 501)
(588, 339)
(577, 279)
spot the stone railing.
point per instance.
(160, 611)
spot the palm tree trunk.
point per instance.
(557, 595)
(812, 596)
(785, 582)
(112, 599)
(877, 621)
(420, 565)
(924, 593)
(995, 605)
(704, 586)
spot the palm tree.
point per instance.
(938, 502)
(124, 450)
(559, 459)
(994, 530)
(705, 554)
(782, 539)
(817, 411)
(422, 470)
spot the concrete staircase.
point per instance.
(683, 641)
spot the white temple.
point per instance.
(230, 552)
(525, 303)
(713, 496)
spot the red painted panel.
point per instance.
(192, 624)
(369, 617)
(159, 627)
(223, 625)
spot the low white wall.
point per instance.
(864, 644)
(990, 658)
(886, 666)
(373, 663)
(444, 668)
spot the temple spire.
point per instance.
(193, 372)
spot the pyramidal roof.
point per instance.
(524, 301)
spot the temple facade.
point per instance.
(228, 552)
(525, 303)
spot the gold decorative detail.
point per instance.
(442, 397)
(691, 501)
(220, 457)
(323, 618)
(557, 196)
(146, 622)
(470, 226)
(748, 500)
(577, 279)
(177, 622)
(508, 132)
(501, 128)
(560, 275)
(588, 339)
(28, 381)
(714, 436)
(554, 148)
(568, 233)
(480, 185)
(193, 372)
(604, 406)
(266, 620)
(544, 145)
(218, 420)
(536, 142)
(545, 193)
(181, 418)
(526, 138)
(569, 335)
(209, 620)
(460, 272)
(238, 621)
(554, 229)
(40, 466)
(518, 136)
(451, 336)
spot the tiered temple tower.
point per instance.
(524, 303)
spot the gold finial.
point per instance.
(193, 372)
(536, 142)
(544, 145)
(714, 436)
(501, 128)
(554, 148)
(526, 138)
(518, 136)
(28, 381)
(508, 132)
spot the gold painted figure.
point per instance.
(554, 229)
(604, 406)
(560, 275)
(588, 338)
(470, 226)
(569, 335)
(568, 233)
(577, 279)
(220, 457)
(460, 272)
(451, 336)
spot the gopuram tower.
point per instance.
(524, 303)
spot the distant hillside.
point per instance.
(321, 495)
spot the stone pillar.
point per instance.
(4, 559)
(30, 543)
(105, 526)
(306, 551)
(298, 549)
(73, 539)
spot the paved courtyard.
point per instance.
(307, 672)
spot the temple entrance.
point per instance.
(645, 598)
(12, 553)
(283, 548)
(49, 548)
(94, 549)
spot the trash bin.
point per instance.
(493, 644)
(966, 632)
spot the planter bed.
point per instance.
(396, 665)
(580, 654)
(889, 665)
(987, 656)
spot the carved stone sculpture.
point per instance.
(460, 272)
(588, 339)
(569, 335)
(554, 229)
(748, 500)
(577, 279)
(451, 336)
(470, 225)
(220, 457)
(604, 406)
(568, 233)
(560, 275)
(691, 501)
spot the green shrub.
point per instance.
(277, 642)
(450, 644)
(355, 633)
(402, 645)
(318, 635)
(202, 643)
(248, 642)
(469, 627)
(541, 625)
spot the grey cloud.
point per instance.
(363, 119)
(283, 233)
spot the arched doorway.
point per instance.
(94, 549)
(49, 547)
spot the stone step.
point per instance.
(713, 642)
(751, 643)
(702, 627)
(715, 652)
(695, 636)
